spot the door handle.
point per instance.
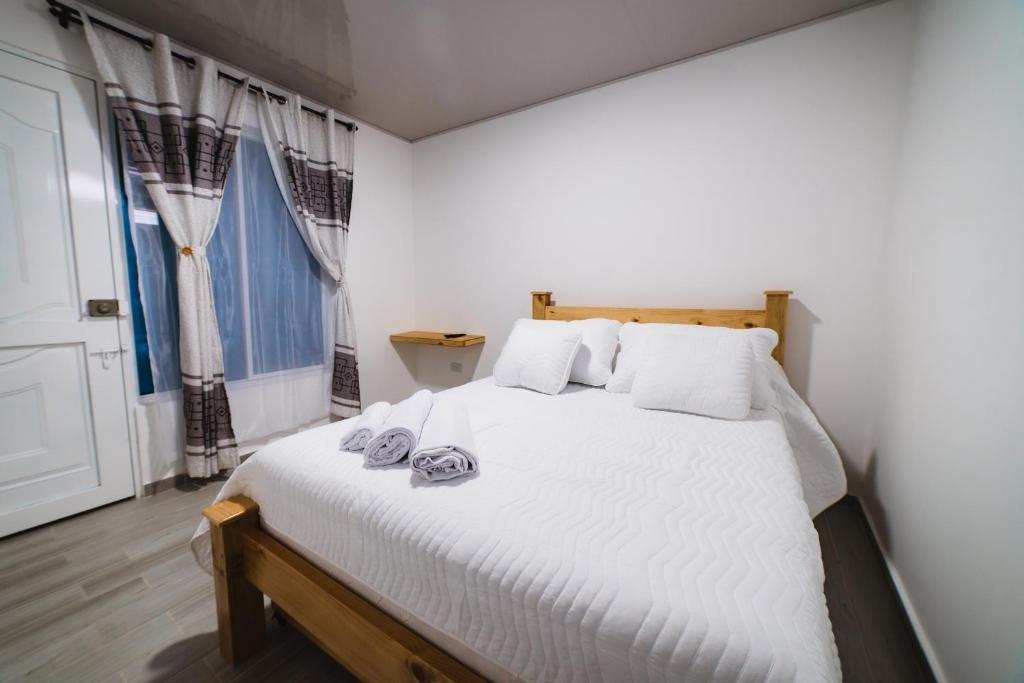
(107, 356)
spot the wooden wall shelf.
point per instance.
(437, 339)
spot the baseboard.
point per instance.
(908, 606)
(183, 481)
(154, 487)
(179, 481)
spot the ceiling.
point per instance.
(419, 67)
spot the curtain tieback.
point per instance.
(193, 251)
(342, 284)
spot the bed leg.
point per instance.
(277, 614)
(240, 615)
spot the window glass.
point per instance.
(284, 278)
(267, 288)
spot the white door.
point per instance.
(63, 426)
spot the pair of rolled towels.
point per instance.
(434, 434)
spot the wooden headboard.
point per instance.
(773, 315)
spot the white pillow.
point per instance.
(764, 340)
(633, 339)
(593, 363)
(537, 357)
(709, 375)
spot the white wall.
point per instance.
(380, 261)
(381, 233)
(27, 24)
(765, 166)
(945, 485)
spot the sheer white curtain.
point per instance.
(312, 158)
(274, 308)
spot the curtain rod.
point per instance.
(69, 15)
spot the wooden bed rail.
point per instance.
(371, 644)
(773, 315)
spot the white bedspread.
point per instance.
(601, 541)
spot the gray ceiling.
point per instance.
(418, 67)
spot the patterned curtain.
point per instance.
(181, 125)
(312, 158)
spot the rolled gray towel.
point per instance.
(367, 426)
(400, 432)
(446, 448)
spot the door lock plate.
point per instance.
(103, 308)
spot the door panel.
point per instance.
(44, 405)
(35, 254)
(63, 414)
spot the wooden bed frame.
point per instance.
(249, 563)
(773, 315)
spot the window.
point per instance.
(267, 288)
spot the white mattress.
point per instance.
(599, 541)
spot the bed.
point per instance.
(599, 541)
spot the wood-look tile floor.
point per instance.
(114, 595)
(875, 640)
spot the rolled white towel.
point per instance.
(400, 432)
(367, 426)
(446, 448)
